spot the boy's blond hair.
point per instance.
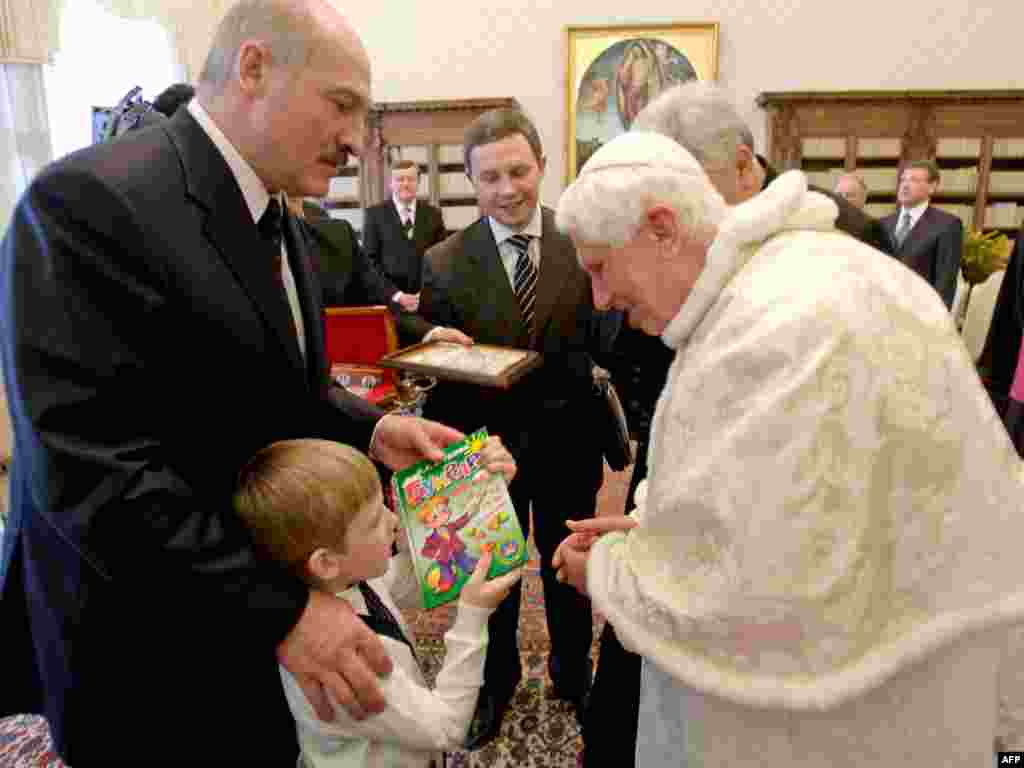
(299, 495)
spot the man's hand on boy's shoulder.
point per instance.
(332, 649)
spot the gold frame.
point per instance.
(436, 358)
(584, 45)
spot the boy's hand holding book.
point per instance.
(485, 594)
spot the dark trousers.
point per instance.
(562, 483)
(613, 710)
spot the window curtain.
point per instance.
(28, 39)
(24, 132)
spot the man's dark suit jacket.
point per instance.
(465, 286)
(148, 352)
(347, 276)
(851, 219)
(932, 248)
(998, 361)
(398, 257)
(545, 419)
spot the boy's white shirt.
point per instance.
(418, 722)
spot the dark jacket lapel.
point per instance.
(229, 227)
(919, 232)
(421, 226)
(310, 299)
(557, 262)
(491, 283)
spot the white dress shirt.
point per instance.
(404, 210)
(915, 215)
(508, 252)
(418, 722)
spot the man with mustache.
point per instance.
(161, 324)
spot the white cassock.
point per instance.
(830, 556)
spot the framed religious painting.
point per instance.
(612, 72)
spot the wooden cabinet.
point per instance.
(975, 137)
(427, 132)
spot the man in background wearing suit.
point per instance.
(926, 239)
(513, 280)
(347, 277)
(852, 219)
(397, 232)
(852, 189)
(161, 323)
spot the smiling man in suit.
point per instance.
(513, 280)
(160, 324)
(397, 232)
(926, 239)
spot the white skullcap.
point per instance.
(643, 148)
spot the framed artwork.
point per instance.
(480, 363)
(612, 72)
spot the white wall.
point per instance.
(465, 48)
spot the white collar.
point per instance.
(502, 233)
(915, 213)
(402, 207)
(253, 190)
(785, 204)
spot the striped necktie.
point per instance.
(903, 229)
(525, 282)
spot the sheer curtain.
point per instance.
(25, 143)
(27, 40)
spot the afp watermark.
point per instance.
(1011, 758)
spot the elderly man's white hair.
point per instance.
(624, 178)
(702, 118)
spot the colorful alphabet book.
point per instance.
(452, 512)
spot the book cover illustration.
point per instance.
(452, 512)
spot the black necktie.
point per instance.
(525, 281)
(271, 227)
(382, 621)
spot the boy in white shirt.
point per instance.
(317, 507)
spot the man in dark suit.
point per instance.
(397, 232)
(926, 239)
(154, 337)
(851, 187)
(470, 282)
(851, 219)
(347, 276)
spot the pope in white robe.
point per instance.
(827, 563)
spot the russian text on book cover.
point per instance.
(452, 512)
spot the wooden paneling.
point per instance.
(919, 121)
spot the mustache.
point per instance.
(338, 159)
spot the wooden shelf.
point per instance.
(918, 120)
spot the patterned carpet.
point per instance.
(538, 731)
